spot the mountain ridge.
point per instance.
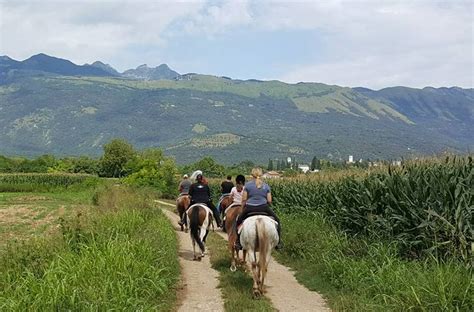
(193, 115)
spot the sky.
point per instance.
(369, 43)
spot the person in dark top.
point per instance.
(201, 194)
(227, 185)
(256, 199)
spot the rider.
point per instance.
(184, 185)
(201, 194)
(237, 190)
(226, 187)
(235, 195)
(256, 198)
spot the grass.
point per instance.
(359, 275)
(26, 215)
(236, 286)
(120, 255)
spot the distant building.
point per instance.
(271, 175)
(351, 159)
(304, 168)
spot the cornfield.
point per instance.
(425, 206)
(40, 181)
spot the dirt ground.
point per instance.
(282, 288)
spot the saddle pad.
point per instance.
(231, 206)
(240, 227)
(199, 205)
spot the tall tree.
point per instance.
(116, 155)
(315, 164)
(270, 164)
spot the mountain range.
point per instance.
(51, 105)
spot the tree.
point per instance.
(117, 154)
(270, 164)
(209, 167)
(315, 164)
(152, 168)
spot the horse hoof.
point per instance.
(233, 268)
(256, 294)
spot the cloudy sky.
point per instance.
(371, 43)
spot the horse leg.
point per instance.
(194, 248)
(202, 234)
(256, 286)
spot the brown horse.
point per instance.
(182, 204)
(225, 202)
(199, 218)
(231, 214)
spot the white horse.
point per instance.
(259, 234)
(199, 218)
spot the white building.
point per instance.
(351, 159)
(304, 168)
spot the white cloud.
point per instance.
(84, 31)
(362, 43)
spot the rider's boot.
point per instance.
(280, 243)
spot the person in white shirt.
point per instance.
(237, 191)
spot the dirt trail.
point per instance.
(284, 291)
(199, 290)
(282, 288)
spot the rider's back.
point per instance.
(256, 196)
(200, 193)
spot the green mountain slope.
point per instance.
(197, 115)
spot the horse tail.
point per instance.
(262, 241)
(195, 227)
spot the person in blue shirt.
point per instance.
(256, 199)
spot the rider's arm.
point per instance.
(269, 198)
(244, 198)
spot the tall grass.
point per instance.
(121, 256)
(44, 182)
(358, 275)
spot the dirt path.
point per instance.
(284, 291)
(199, 290)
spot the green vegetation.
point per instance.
(236, 286)
(39, 182)
(356, 274)
(120, 255)
(387, 238)
(426, 207)
(78, 115)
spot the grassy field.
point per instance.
(92, 248)
(356, 274)
(32, 214)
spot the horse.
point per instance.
(199, 218)
(259, 234)
(231, 212)
(182, 204)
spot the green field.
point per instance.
(86, 248)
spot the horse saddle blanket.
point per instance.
(239, 229)
(231, 206)
(200, 205)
